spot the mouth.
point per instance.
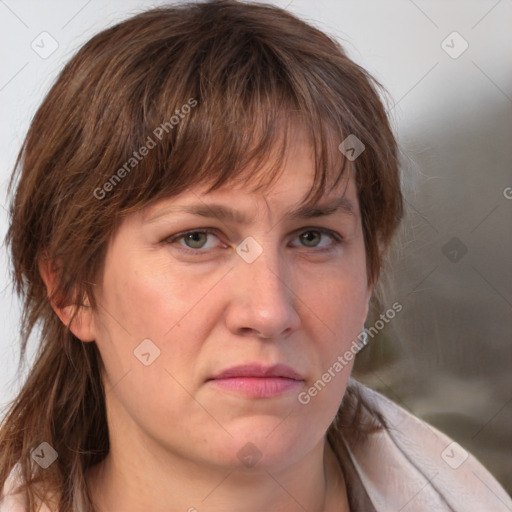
(256, 381)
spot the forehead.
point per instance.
(242, 206)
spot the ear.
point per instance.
(369, 293)
(82, 325)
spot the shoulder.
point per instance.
(11, 500)
(412, 466)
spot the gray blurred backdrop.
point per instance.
(447, 356)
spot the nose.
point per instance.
(262, 299)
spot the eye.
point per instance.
(195, 241)
(312, 238)
(192, 239)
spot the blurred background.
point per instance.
(447, 356)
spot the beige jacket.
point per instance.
(413, 467)
(409, 467)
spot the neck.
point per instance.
(121, 483)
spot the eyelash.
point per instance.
(337, 239)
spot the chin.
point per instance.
(263, 444)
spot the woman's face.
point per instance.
(174, 312)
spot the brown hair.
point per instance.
(207, 89)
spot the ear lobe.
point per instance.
(369, 292)
(82, 324)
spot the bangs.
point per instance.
(228, 119)
(249, 152)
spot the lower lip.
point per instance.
(257, 387)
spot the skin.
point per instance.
(174, 437)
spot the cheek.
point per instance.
(154, 301)
(144, 297)
(148, 297)
(342, 306)
(141, 302)
(342, 294)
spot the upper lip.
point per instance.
(258, 370)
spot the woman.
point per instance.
(202, 207)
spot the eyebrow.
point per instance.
(225, 213)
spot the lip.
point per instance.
(257, 381)
(257, 370)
